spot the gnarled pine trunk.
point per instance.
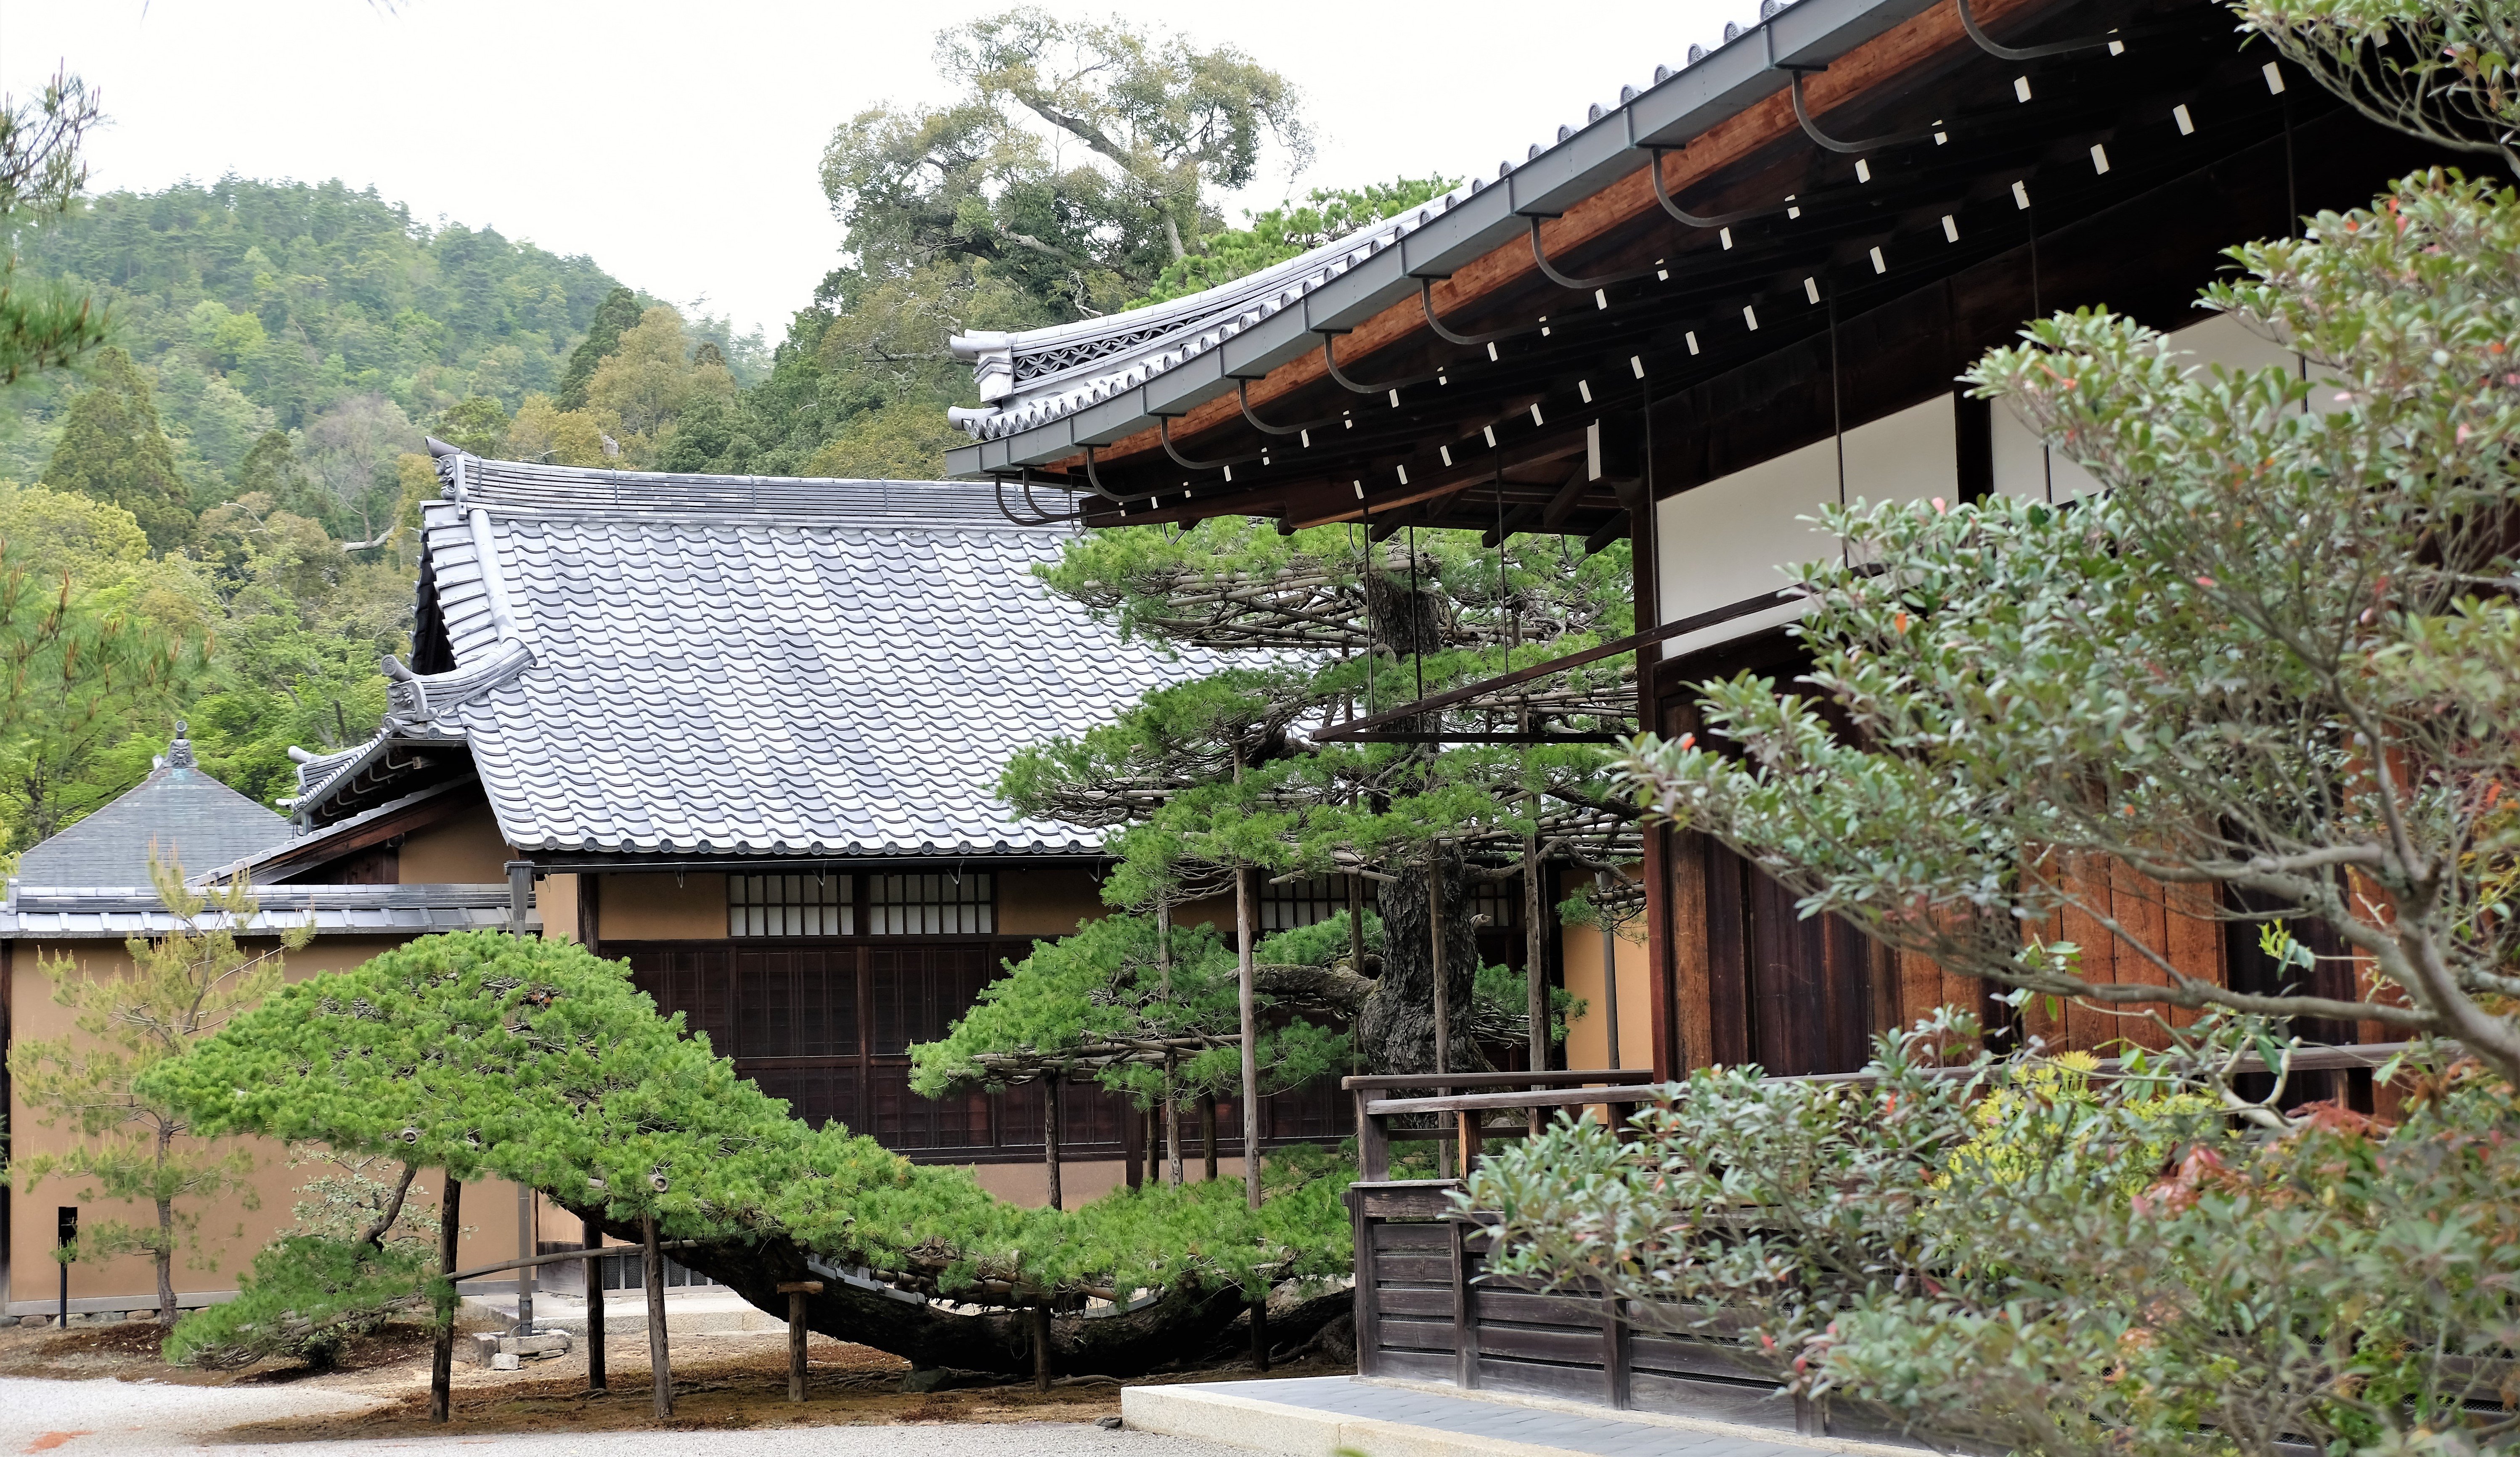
(1396, 1032)
(1180, 1325)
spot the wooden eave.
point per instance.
(1566, 357)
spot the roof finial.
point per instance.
(179, 753)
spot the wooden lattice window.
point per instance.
(789, 906)
(963, 905)
(1288, 904)
(1500, 901)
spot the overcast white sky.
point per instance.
(677, 142)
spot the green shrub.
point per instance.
(306, 1298)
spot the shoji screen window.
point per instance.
(963, 905)
(789, 905)
(1288, 904)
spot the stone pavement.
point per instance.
(1320, 1415)
(112, 1419)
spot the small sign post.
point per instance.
(66, 1234)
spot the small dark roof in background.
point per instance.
(187, 813)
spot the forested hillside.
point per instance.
(230, 484)
(231, 472)
(261, 304)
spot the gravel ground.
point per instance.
(95, 1418)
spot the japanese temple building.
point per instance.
(1740, 289)
(742, 733)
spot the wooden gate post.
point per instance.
(1614, 1354)
(660, 1371)
(796, 1291)
(594, 1236)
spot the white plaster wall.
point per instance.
(1735, 537)
(2023, 464)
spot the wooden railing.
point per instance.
(1426, 1310)
(1461, 1117)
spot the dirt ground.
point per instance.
(721, 1383)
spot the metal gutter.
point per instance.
(1744, 71)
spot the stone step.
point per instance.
(1320, 1415)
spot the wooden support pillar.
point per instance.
(1465, 1325)
(1609, 974)
(1041, 1347)
(1369, 1286)
(1207, 1134)
(1535, 962)
(1050, 1135)
(796, 1291)
(1172, 1097)
(1373, 1142)
(1260, 1334)
(1443, 1000)
(1614, 1356)
(1247, 932)
(526, 1244)
(441, 1360)
(594, 1236)
(1131, 1146)
(660, 1371)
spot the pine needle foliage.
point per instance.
(493, 1057)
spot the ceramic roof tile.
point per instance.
(768, 666)
(178, 810)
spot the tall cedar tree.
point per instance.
(132, 1145)
(113, 448)
(617, 315)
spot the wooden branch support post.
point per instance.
(1260, 1334)
(1443, 1002)
(1041, 1347)
(594, 1236)
(796, 1291)
(1535, 974)
(1050, 1135)
(660, 1371)
(1246, 932)
(441, 1358)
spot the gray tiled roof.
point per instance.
(179, 808)
(114, 912)
(666, 663)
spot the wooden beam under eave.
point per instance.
(1911, 44)
(1320, 505)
